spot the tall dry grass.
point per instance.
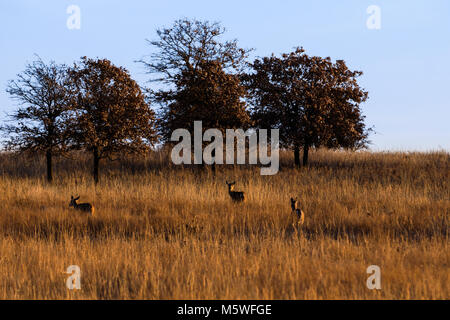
(165, 232)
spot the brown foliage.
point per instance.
(313, 101)
(207, 94)
(110, 115)
(201, 70)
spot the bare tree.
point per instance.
(186, 45)
(39, 124)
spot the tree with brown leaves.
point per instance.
(201, 74)
(110, 115)
(209, 95)
(313, 101)
(40, 122)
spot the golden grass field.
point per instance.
(165, 232)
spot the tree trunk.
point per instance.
(305, 155)
(49, 166)
(297, 156)
(213, 166)
(96, 165)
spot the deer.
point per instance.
(84, 207)
(236, 196)
(299, 215)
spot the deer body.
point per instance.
(298, 213)
(84, 207)
(236, 196)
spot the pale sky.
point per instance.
(405, 63)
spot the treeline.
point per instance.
(96, 106)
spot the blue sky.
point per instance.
(405, 63)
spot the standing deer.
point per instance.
(299, 215)
(84, 207)
(237, 196)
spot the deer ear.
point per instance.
(77, 198)
(71, 197)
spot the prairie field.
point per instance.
(168, 232)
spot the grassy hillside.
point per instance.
(166, 232)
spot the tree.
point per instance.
(110, 115)
(201, 76)
(209, 95)
(186, 45)
(39, 125)
(313, 101)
